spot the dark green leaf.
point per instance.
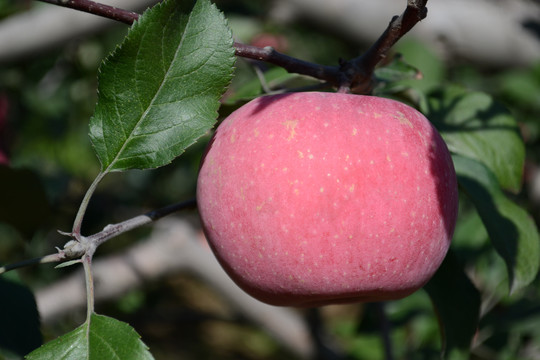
(100, 338)
(19, 319)
(457, 303)
(511, 230)
(475, 126)
(397, 70)
(394, 81)
(275, 78)
(159, 91)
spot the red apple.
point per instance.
(310, 199)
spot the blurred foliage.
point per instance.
(50, 100)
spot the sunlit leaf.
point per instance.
(159, 91)
(475, 126)
(99, 338)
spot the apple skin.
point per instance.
(310, 199)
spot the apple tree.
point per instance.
(381, 197)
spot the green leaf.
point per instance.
(397, 70)
(100, 338)
(457, 303)
(511, 230)
(159, 91)
(275, 78)
(19, 319)
(475, 126)
(395, 80)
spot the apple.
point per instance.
(309, 199)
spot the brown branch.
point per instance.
(355, 75)
(415, 12)
(292, 65)
(359, 71)
(92, 7)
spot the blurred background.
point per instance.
(162, 279)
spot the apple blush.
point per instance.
(310, 199)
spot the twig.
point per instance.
(111, 231)
(57, 257)
(355, 75)
(359, 71)
(289, 63)
(92, 7)
(75, 249)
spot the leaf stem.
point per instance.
(89, 277)
(77, 223)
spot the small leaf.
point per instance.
(475, 126)
(457, 303)
(511, 230)
(19, 319)
(159, 91)
(100, 338)
(397, 70)
(275, 78)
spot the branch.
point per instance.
(111, 231)
(292, 65)
(57, 257)
(75, 249)
(360, 70)
(111, 12)
(355, 75)
(415, 12)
